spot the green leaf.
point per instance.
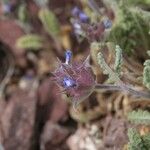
(49, 21)
(30, 41)
(118, 59)
(96, 47)
(139, 2)
(135, 141)
(22, 13)
(146, 74)
(146, 140)
(5, 1)
(101, 61)
(106, 69)
(139, 117)
(130, 28)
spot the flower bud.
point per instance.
(83, 17)
(75, 11)
(107, 23)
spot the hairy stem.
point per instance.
(123, 87)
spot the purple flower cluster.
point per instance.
(84, 28)
(76, 79)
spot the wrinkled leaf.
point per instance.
(146, 74)
(49, 21)
(113, 76)
(118, 59)
(139, 117)
(135, 141)
(146, 140)
(30, 41)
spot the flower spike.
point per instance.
(76, 79)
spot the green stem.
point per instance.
(123, 87)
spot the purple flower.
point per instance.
(76, 79)
(6, 8)
(83, 17)
(68, 82)
(77, 28)
(68, 56)
(107, 23)
(75, 11)
(80, 15)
